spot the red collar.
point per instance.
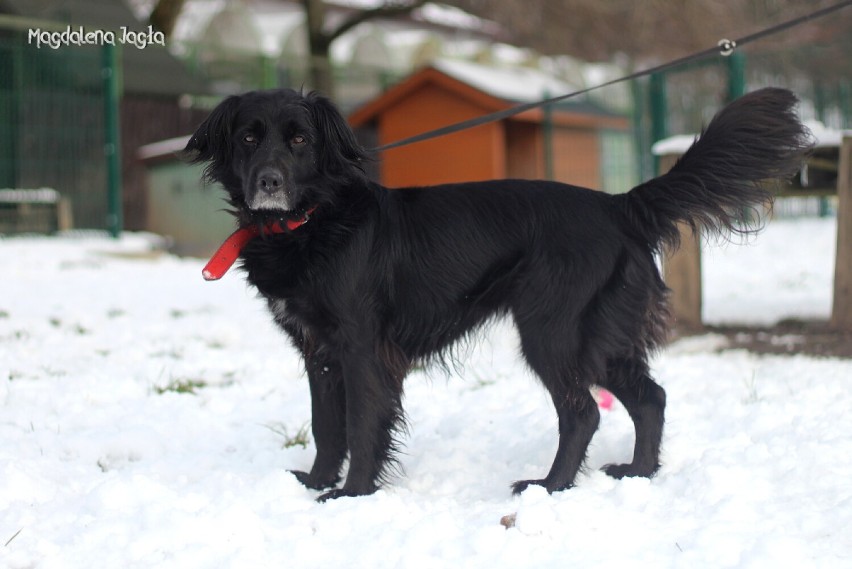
(229, 251)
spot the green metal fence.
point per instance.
(684, 99)
(53, 124)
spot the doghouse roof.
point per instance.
(492, 89)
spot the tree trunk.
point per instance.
(165, 15)
(841, 313)
(319, 48)
(321, 72)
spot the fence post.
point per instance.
(112, 140)
(547, 133)
(682, 271)
(12, 69)
(659, 112)
(841, 312)
(644, 161)
(268, 73)
(736, 75)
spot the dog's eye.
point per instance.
(250, 139)
(298, 139)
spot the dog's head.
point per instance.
(277, 151)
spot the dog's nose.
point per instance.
(270, 181)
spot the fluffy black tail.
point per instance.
(722, 178)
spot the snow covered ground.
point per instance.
(147, 419)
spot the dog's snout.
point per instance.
(270, 189)
(270, 181)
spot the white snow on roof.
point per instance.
(825, 138)
(453, 17)
(673, 145)
(166, 147)
(522, 84)
(432, 13)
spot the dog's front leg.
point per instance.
(328, 425)
(373, 413)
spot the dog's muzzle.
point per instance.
(270, 191)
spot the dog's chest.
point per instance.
(282, 314)
(275, 266)
(293, 315)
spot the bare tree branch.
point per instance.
(388, 10)
(319, 40)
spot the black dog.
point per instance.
(375, 280)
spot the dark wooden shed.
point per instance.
(511, 148)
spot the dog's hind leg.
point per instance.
(578, 421)
(645, 401)
(576, 409)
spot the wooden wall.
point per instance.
(474, 154)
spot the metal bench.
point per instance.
(34, 211)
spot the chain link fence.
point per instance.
(52, 130)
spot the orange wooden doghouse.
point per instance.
(453, 91)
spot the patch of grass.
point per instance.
(181, 386)
(481, 381)
(174, 353)
(300, 438)
(81, 330)
(52, 372)
(57, 322)
(751, 390)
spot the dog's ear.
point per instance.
(340, 152)
(212, 141)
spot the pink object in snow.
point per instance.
(605, 399)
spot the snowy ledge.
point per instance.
(40, 195)
(162, 148)
(824, 137)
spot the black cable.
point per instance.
(724, 47)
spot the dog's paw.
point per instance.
(335, 494)
(307, 480)
(619, 471)
(519, 486)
